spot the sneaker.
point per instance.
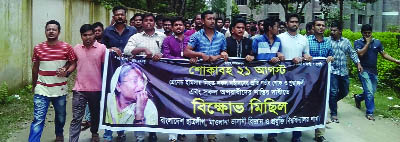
(258, 137)
(59, 138)
(357, 102)
(272, 139)
(334, 119)
(243, 140)
(370, 117)
(121, 138)
(320, 139)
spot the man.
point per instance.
(248, 27)
(295, 48)
(87, 89)
(198, 25)
(159, 23)
(116, 36)
(227, 24)
(146, 43)
(282, 27)
(309, 30)
(187, 26)
(208, 44)
(220, 24)
(367, 49)
(167, 25)
(320, 46)
(98, 31)
(253, 32)
(237, 45)
(173, 47)
(53, 61)
(137, 22)
(261, 30)
(339, 76)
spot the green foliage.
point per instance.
(235, 9)
(393, 28)
(4, 93)
(109, 4)
(218, 6)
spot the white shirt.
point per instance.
(293, 46)
(143, 40)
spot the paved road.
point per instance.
(353, 127)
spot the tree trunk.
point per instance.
(183, 8)
(341, 12)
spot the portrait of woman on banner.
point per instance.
(128, 102)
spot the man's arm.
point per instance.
(188, 52)
(390, 58)
(35, 71)
(364, 49)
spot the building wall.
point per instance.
(22, 23)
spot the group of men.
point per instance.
(54, 60)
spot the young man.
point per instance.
(208, 44)
(98, 31)
(167, 25)
(261, 30)
(198, 25)
(159, 23)
(53, 61)
(339, 76)
(367, 49)
(87, 89)
(320, 46)
(282, 27)
(295, 48)
(137, 22)
(219, 24)
(309, 30)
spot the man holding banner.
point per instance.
(208, 44)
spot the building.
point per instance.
(380, 14)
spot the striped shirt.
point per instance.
(51, 58)
(341, 48)
(200, 43)
(320, 49)
(263, 49)
(143, 40)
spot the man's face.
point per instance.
(335, 32)
(98, 32)
(148, 23)
(119, 16)
(238, 29)
(198, 20)
(131, 85)
(366, 34)
(178, 28)
(159, 23)
(209, 21)
(167, 26)
(282, 29)
(227, 23)
(248, 27)
(187, 26)
(261, 26)
(274, 29)
(88, 38)
(292, 24)
(220, 23)
(319, 27)
(52, 32)
(138, 21)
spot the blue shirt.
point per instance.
(263, 49)
(111, 38)
(200, 43)
(320, 49)
(369, 59)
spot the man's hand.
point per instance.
(157, 57)
(61, 72)
(274, 60)
(329, 59)
(141, 102)
(117, 50)
(307, 58)
(369, 39)
(148, 53)
(224, 55)
(193, 60)
(205, 57)
(281, 57)
(359, 68)
(296, 60)
(213, 58)
(249, 58)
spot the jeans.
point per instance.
(339, 90)
(369, 82)
(296, 135)
(40, 107)
(108, 134)
(87, 113)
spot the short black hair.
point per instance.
(237, 21)
(167, 19)
(254, 22)
(227, 19)
(147, 15)
(291, 15)
(85, 28)
(53, 22)
(282, 23)
(136, 15)
(119, 7)
(366, 27)
(309, 26)
(98, 24)
(317, 19)
(157, 18)
(270, 22)
(337, 25)
(203, 15)
(253, 28)
(260, 22)
(176, 19)
(219, 18)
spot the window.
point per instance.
(241, 2)
(360, 19)
(371, 20)
(273, 15)
(318, 15)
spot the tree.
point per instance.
(293, 6)
(219, 7)
(235, 9)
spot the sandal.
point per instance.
(370, 117)
(334, 119)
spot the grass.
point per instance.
(384, 98)
(17, 114)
